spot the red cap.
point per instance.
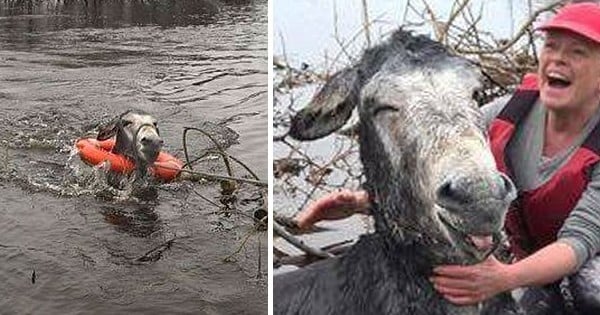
(580, 18)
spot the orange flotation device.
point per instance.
(94, 152)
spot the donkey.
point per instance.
(136, 137)
(437, 196)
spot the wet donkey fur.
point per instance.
(136, 137)
(438, 198)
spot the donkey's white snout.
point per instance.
(152, 141)
(460, 189)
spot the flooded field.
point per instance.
(70, 244)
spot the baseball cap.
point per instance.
(580, 18)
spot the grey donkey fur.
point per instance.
(437, 197)
(137, 137)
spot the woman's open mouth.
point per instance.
(557, 80)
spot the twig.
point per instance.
(224, 154)
(279, 230)
(280, 137)
(303, 260)
(239, 249)
(206, 199)
(533, 48)
(293, 148)
(340, 154)
(6, 159)
(434, 22)
(217, 145)
(343, 47)
(453, 15)
(338, 38)
(198, 176)
(258, 274)
(522, 31)
(366, 23)
(156, 253)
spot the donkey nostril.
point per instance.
(445, 190)
(152, 141)
(450, 194)
(509, 189)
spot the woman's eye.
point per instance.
(579, 51)
(549, 45)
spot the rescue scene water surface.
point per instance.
(133, 157)
(406, 179)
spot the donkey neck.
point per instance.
(396, 275)
(414, 236)
(396, 211)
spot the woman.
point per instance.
(547, 139)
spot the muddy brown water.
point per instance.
(69, 244)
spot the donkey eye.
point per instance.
(126, 123)
(384, 108)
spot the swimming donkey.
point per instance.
(130, 145)
(137, 137)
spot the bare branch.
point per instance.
(279, 230)
(522, 31)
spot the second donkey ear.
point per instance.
(329, 109)
(108, 131)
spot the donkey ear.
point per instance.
(329, 109)
(108, 131)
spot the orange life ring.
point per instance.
(94, 152)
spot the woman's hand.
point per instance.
(334, 206)
(472, 284)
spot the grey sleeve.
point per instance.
(581, 229)
(493, 108)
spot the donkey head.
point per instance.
(423, 146)
(137, 137)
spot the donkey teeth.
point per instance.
(482, 243)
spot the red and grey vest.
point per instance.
(535, 217)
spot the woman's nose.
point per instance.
(558, 54)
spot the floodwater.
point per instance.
(70, 244)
